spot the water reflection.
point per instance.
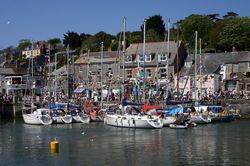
(97, 144)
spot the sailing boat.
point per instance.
(130, 115)
(30, 114)
(60, 113)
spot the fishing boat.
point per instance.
(38, 117)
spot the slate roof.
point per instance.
(95, 57)
(245, 57)
(153, 47)
(211, 61)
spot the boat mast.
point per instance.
(124, 47)
(55, 78)
(177, 61)
(32, 74)
(88, 69)
(123, 58)
(48, 81)
(195, 65)
(144, 57)
(68, 72)
(101, 73)
(167, 59)
(119, 62)
(200, 71)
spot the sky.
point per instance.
(45, 19)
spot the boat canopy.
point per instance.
(174, 111)
(74, 107)
(215, 108)
(148, 107)
(57, 106)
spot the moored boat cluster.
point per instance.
(130, 115)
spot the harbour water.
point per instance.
(98, 144)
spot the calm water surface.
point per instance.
(98, 144)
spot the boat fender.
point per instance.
(133, 121)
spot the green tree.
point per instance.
(151, 36)
(105, 38)
(215, 34)
(230, 15)
(54, 41)
(201, 23)
(114, 45)
(72, 39)
(133, 37)
(214, 17)
(54, 45)
(157, 24)
(23, 44)
(235, 34)
(91, 44)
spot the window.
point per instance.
(248, 64)
(148, 58)
(140, 58)
(128, 58)
(162, 57)
(148, 73)
(163, 72)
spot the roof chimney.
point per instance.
(234, 49)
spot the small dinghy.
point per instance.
(175, 126)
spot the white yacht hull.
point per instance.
(81, 119)
(200, 119)
(62, 119)
(168, 120)
(133, 121)
(38, 117)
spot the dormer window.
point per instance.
(148, 58)
(140, 58)
(162, 57)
